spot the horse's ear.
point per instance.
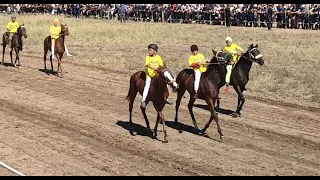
(251, 46)
(66, 24)
(256, 46)
(214, 52)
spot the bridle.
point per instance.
(251, 56)
(168, 81)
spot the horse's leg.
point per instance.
(218, 99)
(133, 94)
(214, 116)
(51, 63)
(190, 106)
(59, 63)
(180, 94)
(241, 100)
(60, 57)
(45, 58)
(155, 133)
(17, 57)
(3, 51)
(163, 127)
(11, 59)
(143, 110)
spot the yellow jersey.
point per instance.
(199, 58)
(233, 49)
(13, 27)
(154, 62)
(55, 31)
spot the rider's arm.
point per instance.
(204, 60)
(191, 61)
(147, 63)
(160, 62)
(239, 48)
(8, 26)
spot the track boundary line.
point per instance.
(11, 169)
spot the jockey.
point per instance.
(12, 28)
(232, 49)
(152, 63)
(196, 61)
(54, 31)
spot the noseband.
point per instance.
(251, 56)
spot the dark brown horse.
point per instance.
(58, 48)
(158, 93)
(240, 74)
(16, 44)
(208, 91)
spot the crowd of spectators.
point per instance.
(294, 16)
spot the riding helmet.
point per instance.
(153, 46)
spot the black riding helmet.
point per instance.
(153, 46)
(194, 48)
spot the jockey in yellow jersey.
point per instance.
(54, 31)
(12, 28)
(232, 49)
(152, 63)
(196, 61)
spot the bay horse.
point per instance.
(158, 94)
(58, 48)
(208, 91)
(16, 44)
(240, 74)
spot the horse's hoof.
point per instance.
(180, 131)
(165, 141)
(222, 138)
(132, 132)
(236, 115)
(202, 133)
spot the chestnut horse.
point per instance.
(16, 44)
(208, 90)
(158, 93)
(58, 48)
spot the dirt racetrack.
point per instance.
(77, 125)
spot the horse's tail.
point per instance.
(132, 85)
(128, 96)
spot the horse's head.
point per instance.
(167, 76)
(23, 31)
(254, 54)
(64, 29)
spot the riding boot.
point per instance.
(52, 51)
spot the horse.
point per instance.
(59, 48)
(240, 74)
(158, 93)
(16, 44)
(208, 91)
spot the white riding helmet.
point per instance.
(228, 39)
